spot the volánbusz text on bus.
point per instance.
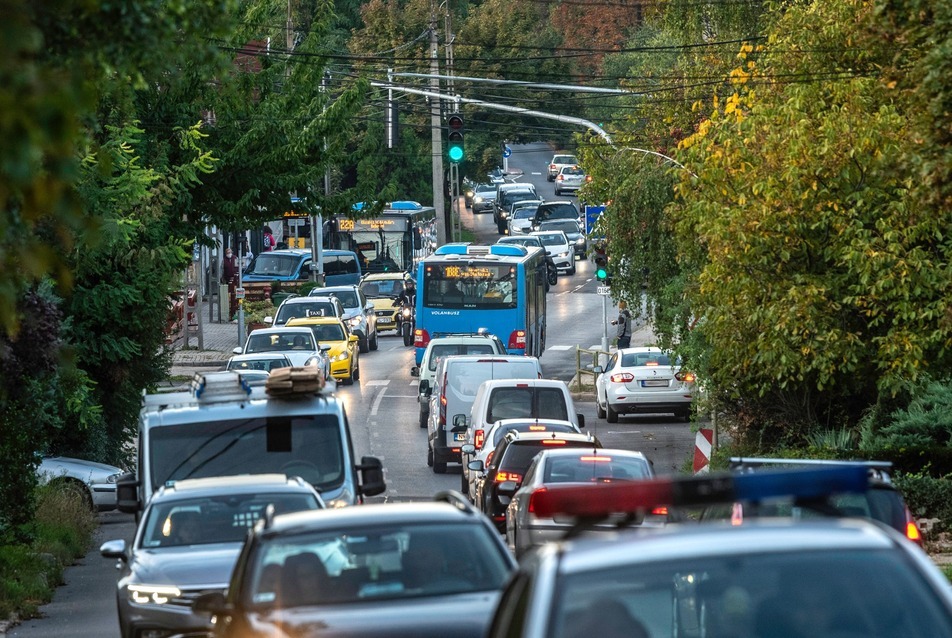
(501, 288)
(393, 241)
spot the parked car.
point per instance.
(392, 570)
(446, 346)
(358, 313)
(187, 543)
(570, 179)
(525, 530)
(643, 380)
(96, 482)
(558, 162)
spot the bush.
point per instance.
(928, 497)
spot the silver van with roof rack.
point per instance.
(225, 426)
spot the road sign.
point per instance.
(239, 293)
(604, 290)
(507, 152)
(592, 213)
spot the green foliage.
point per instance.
(256, 311)
(925, 422)
(927, 496)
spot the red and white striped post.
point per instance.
(703, 444)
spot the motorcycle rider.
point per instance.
(408, 296)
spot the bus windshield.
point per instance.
(470, 285)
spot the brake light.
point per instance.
(622, 377)
(596, 459)
(479, 437)
(502, 477)
(552, 166)
(912, 530)
(660, 511)
(443, 401)
(685, 377)
(489, 457)
(651, 363)
(537, 428)
(517, 339)
(553, 442)
(421, 338)
(532, 499)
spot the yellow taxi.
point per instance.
(331, 331)
(382, 289)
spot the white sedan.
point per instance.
(296, 343)
(643, 380)
(96, 481)
(558, 247)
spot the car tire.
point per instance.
(599, 410)
(501, 228)
(610, 413)
(463, 485)
(429, 456)
(364, 345)
(571, 270)
(77, 487)
(357, 371)
(373, 341)
(439, 468)
(424, 417)
(349, 379)
(558, 193)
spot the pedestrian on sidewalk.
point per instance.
(229, 276)
(269, 241)
(624, 325)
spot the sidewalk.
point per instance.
(218, 341)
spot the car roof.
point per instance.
(309, 299)
(257, 356)
(539, 233)
(282, 329)
(536, 383)
(533, 421)
(368, 515)
(380, 276)
(490, 357)
(455, 339)
(577, 451)
(693, 541)
(224, 485)
(516, 437)
(327, 291)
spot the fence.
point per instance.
(596, 360)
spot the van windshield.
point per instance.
(305, 446)
(274, 265)
(526, 401)
(465, 378)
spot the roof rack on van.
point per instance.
(230, 386)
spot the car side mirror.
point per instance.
(127, 493)
(581, 420)
(415, 372)
(237, 350)
(476, 466)
(598, 369)
(268, 320)
(459, 420)
(114, 549)
(326, 348)
(469, 448)
(213, 603)
(371, 476)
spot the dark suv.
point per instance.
(881, 502)
(551, 211)
(507, 464)
(396, 569)
(506, 196)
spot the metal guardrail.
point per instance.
(579, 370)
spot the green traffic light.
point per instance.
(601, 274)
(456, 153)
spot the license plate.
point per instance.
(384, 320)
(459, 436)
(654, 383)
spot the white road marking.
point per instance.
(377, 400)
(560, 348)
(402, 396)
(535, 173)
(414, 382)
(377, 382)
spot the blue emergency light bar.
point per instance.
(600, 500)
(404, 205)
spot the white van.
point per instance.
(545, 399)
(448, 346)
(455, 384)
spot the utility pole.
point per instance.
(436, 133)
(457, 233)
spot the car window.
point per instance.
(279, 342)
(639, 359)
(564, 159)
(485, 188)
(523, 213)
(572, 170)
(328, 332)
(265, 365)
(565, 225)
(440, 351)
(273, 265)
(551, 239)
(382, 287)
(556, 210)
(348, 298)
(594, 468)
(527, 401)
(519, 454)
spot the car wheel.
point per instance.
(558, 193)
(356, 375)
(364, 345)
(439, 468)
(571, 270)
(610, 413)
(599, 410)
(373, 341)
(429, 456)
(77, 488)
(424, 415)
(463, 485)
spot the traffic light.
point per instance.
(601, 263)
(455, 138)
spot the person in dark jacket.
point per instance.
(229, 275)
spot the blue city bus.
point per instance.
(462, 288)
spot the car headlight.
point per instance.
(339, 357)
(580, 241)
(313, 361)
(565, 254)
(112, 478)
(478, 199)
(355, 321)
(469, 193)
(153, 594)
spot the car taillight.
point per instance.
(912, 530)
(479, 437)
(489, 458)
(502, 477)
(517, 339)
(420, 338)
(660, 511)
(622, 377)
(685, 377)
(560, 178)
(552, 166)
(532, 499)
(596, 459)
(553, 442)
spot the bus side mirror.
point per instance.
(417, 240)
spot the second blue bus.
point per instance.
(462, 288)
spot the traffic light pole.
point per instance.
(604, 323)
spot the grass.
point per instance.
(62, 529)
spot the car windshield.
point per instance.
(564, 210)
(552, 239)
(382, 288)
(522, 241)
(598, 468)
(328, 332)
(280, 341)
(265, 365)
(214, 519)
(526, 401)
(385, 562)
(307, 446)
(348, 298)
(640, 359)
(524, 213)
(275, 265)
(566, 226)
(815, 593)
(300, 309)
(486, 188)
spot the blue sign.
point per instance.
(507, 152)
(592, 213)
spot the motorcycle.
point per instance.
(406, 323)
(552, 272)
